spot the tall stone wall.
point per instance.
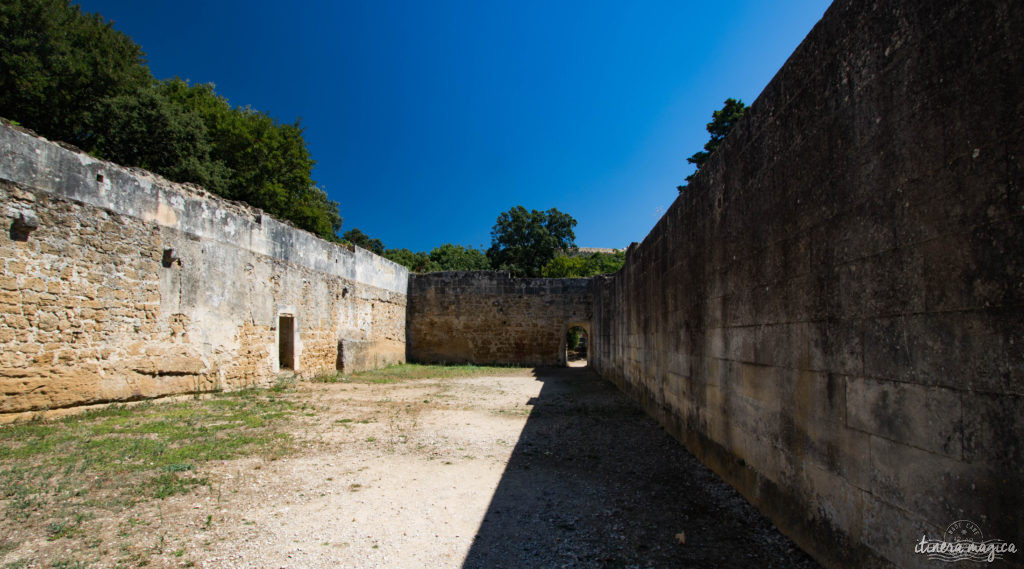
(121, 285)
(491, 318)
(831, 316)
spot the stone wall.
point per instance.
(121, 285)
(491, 318)
(831, 316)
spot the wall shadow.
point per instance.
(594, 482)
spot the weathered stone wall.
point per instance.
(491, 318)
(831, 316)
(131, 287)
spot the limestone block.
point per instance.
(928, 417)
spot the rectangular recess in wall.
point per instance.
(286, 341)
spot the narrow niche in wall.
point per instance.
(576, 346)
(286, 341)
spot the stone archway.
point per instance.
(577, 344)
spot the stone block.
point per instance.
(835, 500)
(836, 345)
(891, 532)
(977, 268)
(934, 486)
(925, 416)
(885, 284)
(993, 429)
(964, 350)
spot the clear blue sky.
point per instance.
(427, 119)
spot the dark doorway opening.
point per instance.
(286, 341)
(577, 343)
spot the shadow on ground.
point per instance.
(593, 482)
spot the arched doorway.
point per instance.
(577, 345)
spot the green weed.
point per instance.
(406, 372)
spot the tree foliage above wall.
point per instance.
(522, 241)
(357, 237)
(721, 123)
(577, 266)
(70, 76)
(60, 68)
(447, 257)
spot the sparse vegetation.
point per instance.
(56, 477)
(405, 372)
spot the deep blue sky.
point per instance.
(427, 119)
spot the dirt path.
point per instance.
(553, 469)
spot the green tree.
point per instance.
(447, 257)
(522, 241)
(59, 68)
(721, 123)
(565, 266)
(268, 163)
(357, 237)
(147, 130)
(451, 257)
(70, 76)
(605, 263)
(416, 262)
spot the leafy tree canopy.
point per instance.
(564, 266)
(70, 76)
(447, 257)
(357, 237)
(416, 262)
(59, 68)
(721, 123)
(267, 162)
(458, 258)
(522, 241)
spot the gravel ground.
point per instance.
(553, 468)
(595, 483)
(534, 469)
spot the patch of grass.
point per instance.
(283, 384)
(405, 372)
(68, 564)
(62, 528)
(56, 476)
(171, 483)
(328, 378)
(7, 546)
